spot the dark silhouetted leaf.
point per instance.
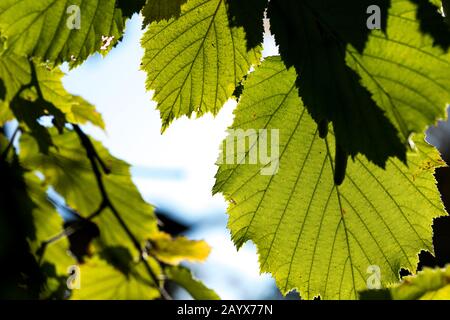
(429, 284)
(432, 23)
(157, 10)
(130, 7)
(20, 276)
(2, 90)
(80, 239)
(313, 37)
(248, 14)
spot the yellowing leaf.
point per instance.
(175, 250)
(428, 284)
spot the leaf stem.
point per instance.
(10, 144)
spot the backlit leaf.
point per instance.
(312, 235)
(99, 280)
(184, 278)
(374, 86)
(68, 170)
(407, 75)
(429, 284)
(48, 29)
(195, 62)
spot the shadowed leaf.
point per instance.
(429, 284)
(157, 10)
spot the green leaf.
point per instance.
(157, 10)
(184, 278)
(312, 235)
(82, 112)
(429, 284)
(5, 114)
(41, 28)
(67, 169)
(313, 37)
(101, 280)
(16, 73)
(407, 76)
(28, 113)
(54, 258)
(34, 91)
(48, 224)
(195, 62)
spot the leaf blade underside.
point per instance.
(312, 235)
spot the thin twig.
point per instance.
(33, 81)
(93, 158)
(67, 232)
(10, 144)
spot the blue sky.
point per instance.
(174, 171)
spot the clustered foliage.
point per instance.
(355, 186)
